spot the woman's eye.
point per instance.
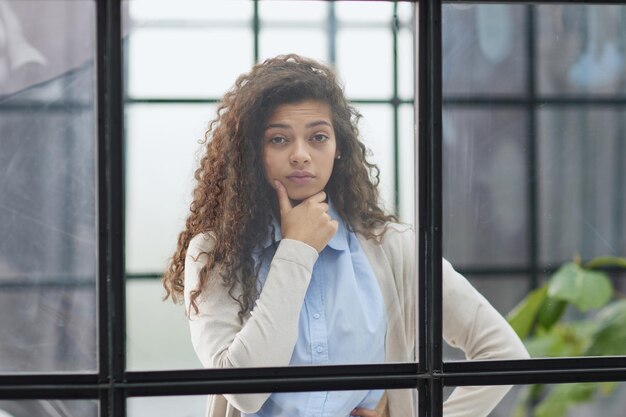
(320, 137)
(277, 140)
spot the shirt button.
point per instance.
(316, 316)
(319, 349)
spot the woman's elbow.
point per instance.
(519, 351)
(247, 403)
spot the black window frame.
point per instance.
(112, 384)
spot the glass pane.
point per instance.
(335, 403)
(405, 12)
(170, 406)
(376, 129)
(605, 399)
(152, 323)
(160, 136)
(162, 154)
(406, 71)
(484, 49)
(582, 183)
(558, 211)
(48, 218)
(485, 187)
(581, 179)
(306, 42)
(406, 162)
(216, 11)
(363, 11)
(174, 62)
(49, 408)
(580, 49)
(357, 65)
(292, 13)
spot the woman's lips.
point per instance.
(301, 178)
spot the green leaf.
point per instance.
(522, 317)
(610, 338)
(584, 288)
(544, 346)
(606, 261)
(563, 339)
(562, 397)
(550, 312)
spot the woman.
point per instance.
(287, 257)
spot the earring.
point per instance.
(338, 157)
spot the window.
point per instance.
(93, 115)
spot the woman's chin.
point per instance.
(297, 196)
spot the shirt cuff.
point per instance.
(297, 251)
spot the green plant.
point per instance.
(595, 325)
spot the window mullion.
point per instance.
(429, 245)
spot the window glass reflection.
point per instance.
(582, 187)
(572, 400)
(162, 135)
(306, 42)
(49, 408)
(159, 136)
(533, 182)
(275, 12)
(485, 187)
(48, 206)
(483, 49)
(396, 401)
(190, 10)
(581, 49)
(155, 54)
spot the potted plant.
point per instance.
(576, 313)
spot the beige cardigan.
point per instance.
(269, 334)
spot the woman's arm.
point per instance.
(269, 335)
(473, 325)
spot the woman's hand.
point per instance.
(364, 412)
(307, 222)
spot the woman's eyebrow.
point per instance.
(277, 126)
(308, 125)
(318, 123)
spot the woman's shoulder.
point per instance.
(391, 232)
(202, 242)
(396, 228)
(391, 236)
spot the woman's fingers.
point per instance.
(317, 198)
(283, 198)
(308, 221)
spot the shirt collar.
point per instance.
(339, 241)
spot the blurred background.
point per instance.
(533, 118)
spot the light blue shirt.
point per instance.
(342, 321)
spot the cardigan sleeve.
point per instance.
(268, 335)
(473, 325)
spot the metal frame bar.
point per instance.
(429, 190)
(531, 155)
(111, 285)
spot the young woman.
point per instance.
(287, 257)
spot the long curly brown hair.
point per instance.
(232, 198)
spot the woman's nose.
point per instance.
(300, 153)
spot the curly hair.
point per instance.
(238, 205)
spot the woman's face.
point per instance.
(299, 148)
